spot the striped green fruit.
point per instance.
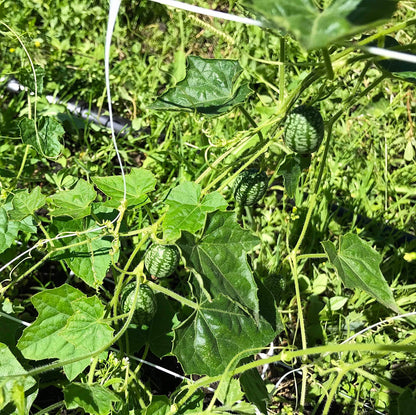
(304, 130)
(161, 260)
(250, 186)
(146, 304)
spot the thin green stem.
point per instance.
(173, 295)
(328, 64)
(282, 59)
(22, 165)
(40, 262)
(50, 408)
(251, 121)
(335, 383)
(293, 266)
(312, 256)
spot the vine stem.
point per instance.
(252, 122)
(173, 295)
(282, 59)
(293, 266)
(328, 64)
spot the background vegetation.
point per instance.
(367, 189)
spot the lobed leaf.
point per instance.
(358, 266)
(212, 336)
(209, 88)
(75, 202)
(139, 182)
(88, 255)
(94, 399)
(8, 229)
(44, 136)
(9, 365)
(187, 211)
(69, 325)
(25, 203)
(220, 257)
(315, 28)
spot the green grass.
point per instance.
(370, 171)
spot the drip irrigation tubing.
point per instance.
(122, 126)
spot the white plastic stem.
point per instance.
(209, 12)
(112, 16)
(392, 54)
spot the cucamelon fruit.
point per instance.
(304, 130)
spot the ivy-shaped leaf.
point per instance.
(94, 399)
(26, 78)
(69, 325)
(88, 255)
(315, 28)
(220, 257)
(8, 229)
(139, 182)
(358, 266)
(25, 203)
(9, 365)
(211, 337)
(44, 137)
(187, 211)
(75, 202)
(208, 88)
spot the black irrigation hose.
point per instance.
(122, 127)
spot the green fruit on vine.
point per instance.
(304, 130)
(146, 304)
(161, 260)
(250, 186)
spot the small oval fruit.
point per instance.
(161, 260)
(250, 186)
(146, 304)
(304, 130)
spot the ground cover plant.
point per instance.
(245, 245)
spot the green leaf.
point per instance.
(8, 229)
(9, 365)
(94, 399)
(139, 182)
(25, 203)
(75, 202)
(26, 78)
(358, 265)
(211, 337)
(220, 257)
(90, 259)
(254, 388)
(315, 28)
(187, 211)
(45, 138)
(69, 325)
(406, 403)
(209, 88)
(160, 405)
(291, 170)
